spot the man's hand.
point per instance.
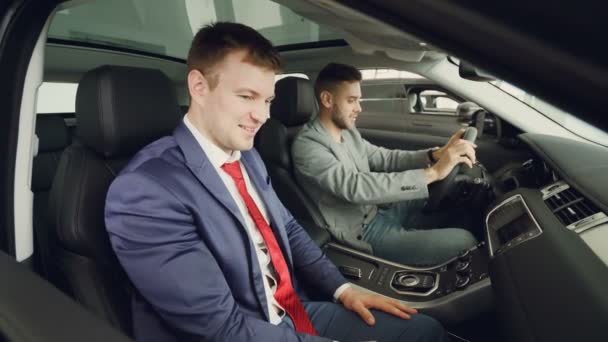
(360, 302)
(456, 151)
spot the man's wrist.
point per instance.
(340, 290)
(434, 154)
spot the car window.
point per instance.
(402, 101)
(55, 97)
(383, 91)
(389, 90)
(376, 74)
(437, 102)
(402, 92)
(166, 28)
(565, 119)
(383, 98)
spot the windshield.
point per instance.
(564, 119)
(166, 27)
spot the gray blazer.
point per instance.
(348, 180)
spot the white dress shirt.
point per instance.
(218, 157)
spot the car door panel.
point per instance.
(33, 310)
(432, 110)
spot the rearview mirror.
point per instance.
(470, 72)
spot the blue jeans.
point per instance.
(336, 322)
(402, 233)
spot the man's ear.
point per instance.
(327, 99)
(198, 86)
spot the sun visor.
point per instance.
(362, 46)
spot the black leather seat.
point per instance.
(53, 138)
(293, 106)
(119, 110)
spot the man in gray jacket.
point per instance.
(349, 178)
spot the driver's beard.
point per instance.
(338, 119)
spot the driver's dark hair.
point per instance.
(333, 74)
(213, 42)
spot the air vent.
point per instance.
(571, 208)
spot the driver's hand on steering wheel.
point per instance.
(456, 151)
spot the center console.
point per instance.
(509, 224)
(411, 283)
(450, 291)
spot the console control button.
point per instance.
(428, 282)
(408, 280)
(462, 265)
(414, 281)
(350, 272)
(462, 281)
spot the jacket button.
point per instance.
(359, 237)
(365, 216)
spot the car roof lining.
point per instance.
(363, 33)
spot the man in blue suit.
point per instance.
(211, 251)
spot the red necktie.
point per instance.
(285, 294)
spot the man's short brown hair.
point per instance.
(214, 42)
(333, 74)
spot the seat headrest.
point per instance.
(465, 111)
(294, 101)
(412, 101)
(52, 132)
(121, 109)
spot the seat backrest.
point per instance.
(53, 138)
(465, 112)
(293, 106)
(119, 110)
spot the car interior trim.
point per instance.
(509, 201)
(26, 145)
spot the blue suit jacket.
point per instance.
(182, 240)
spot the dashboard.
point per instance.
(547, 235)
(571, 180)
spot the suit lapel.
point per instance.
(199, 165)
(203, 170)
(362, 164)
(344, 153)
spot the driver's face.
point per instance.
(346, 105)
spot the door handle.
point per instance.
(422, 124)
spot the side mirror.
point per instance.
(468, 71)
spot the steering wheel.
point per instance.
(440, 189)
